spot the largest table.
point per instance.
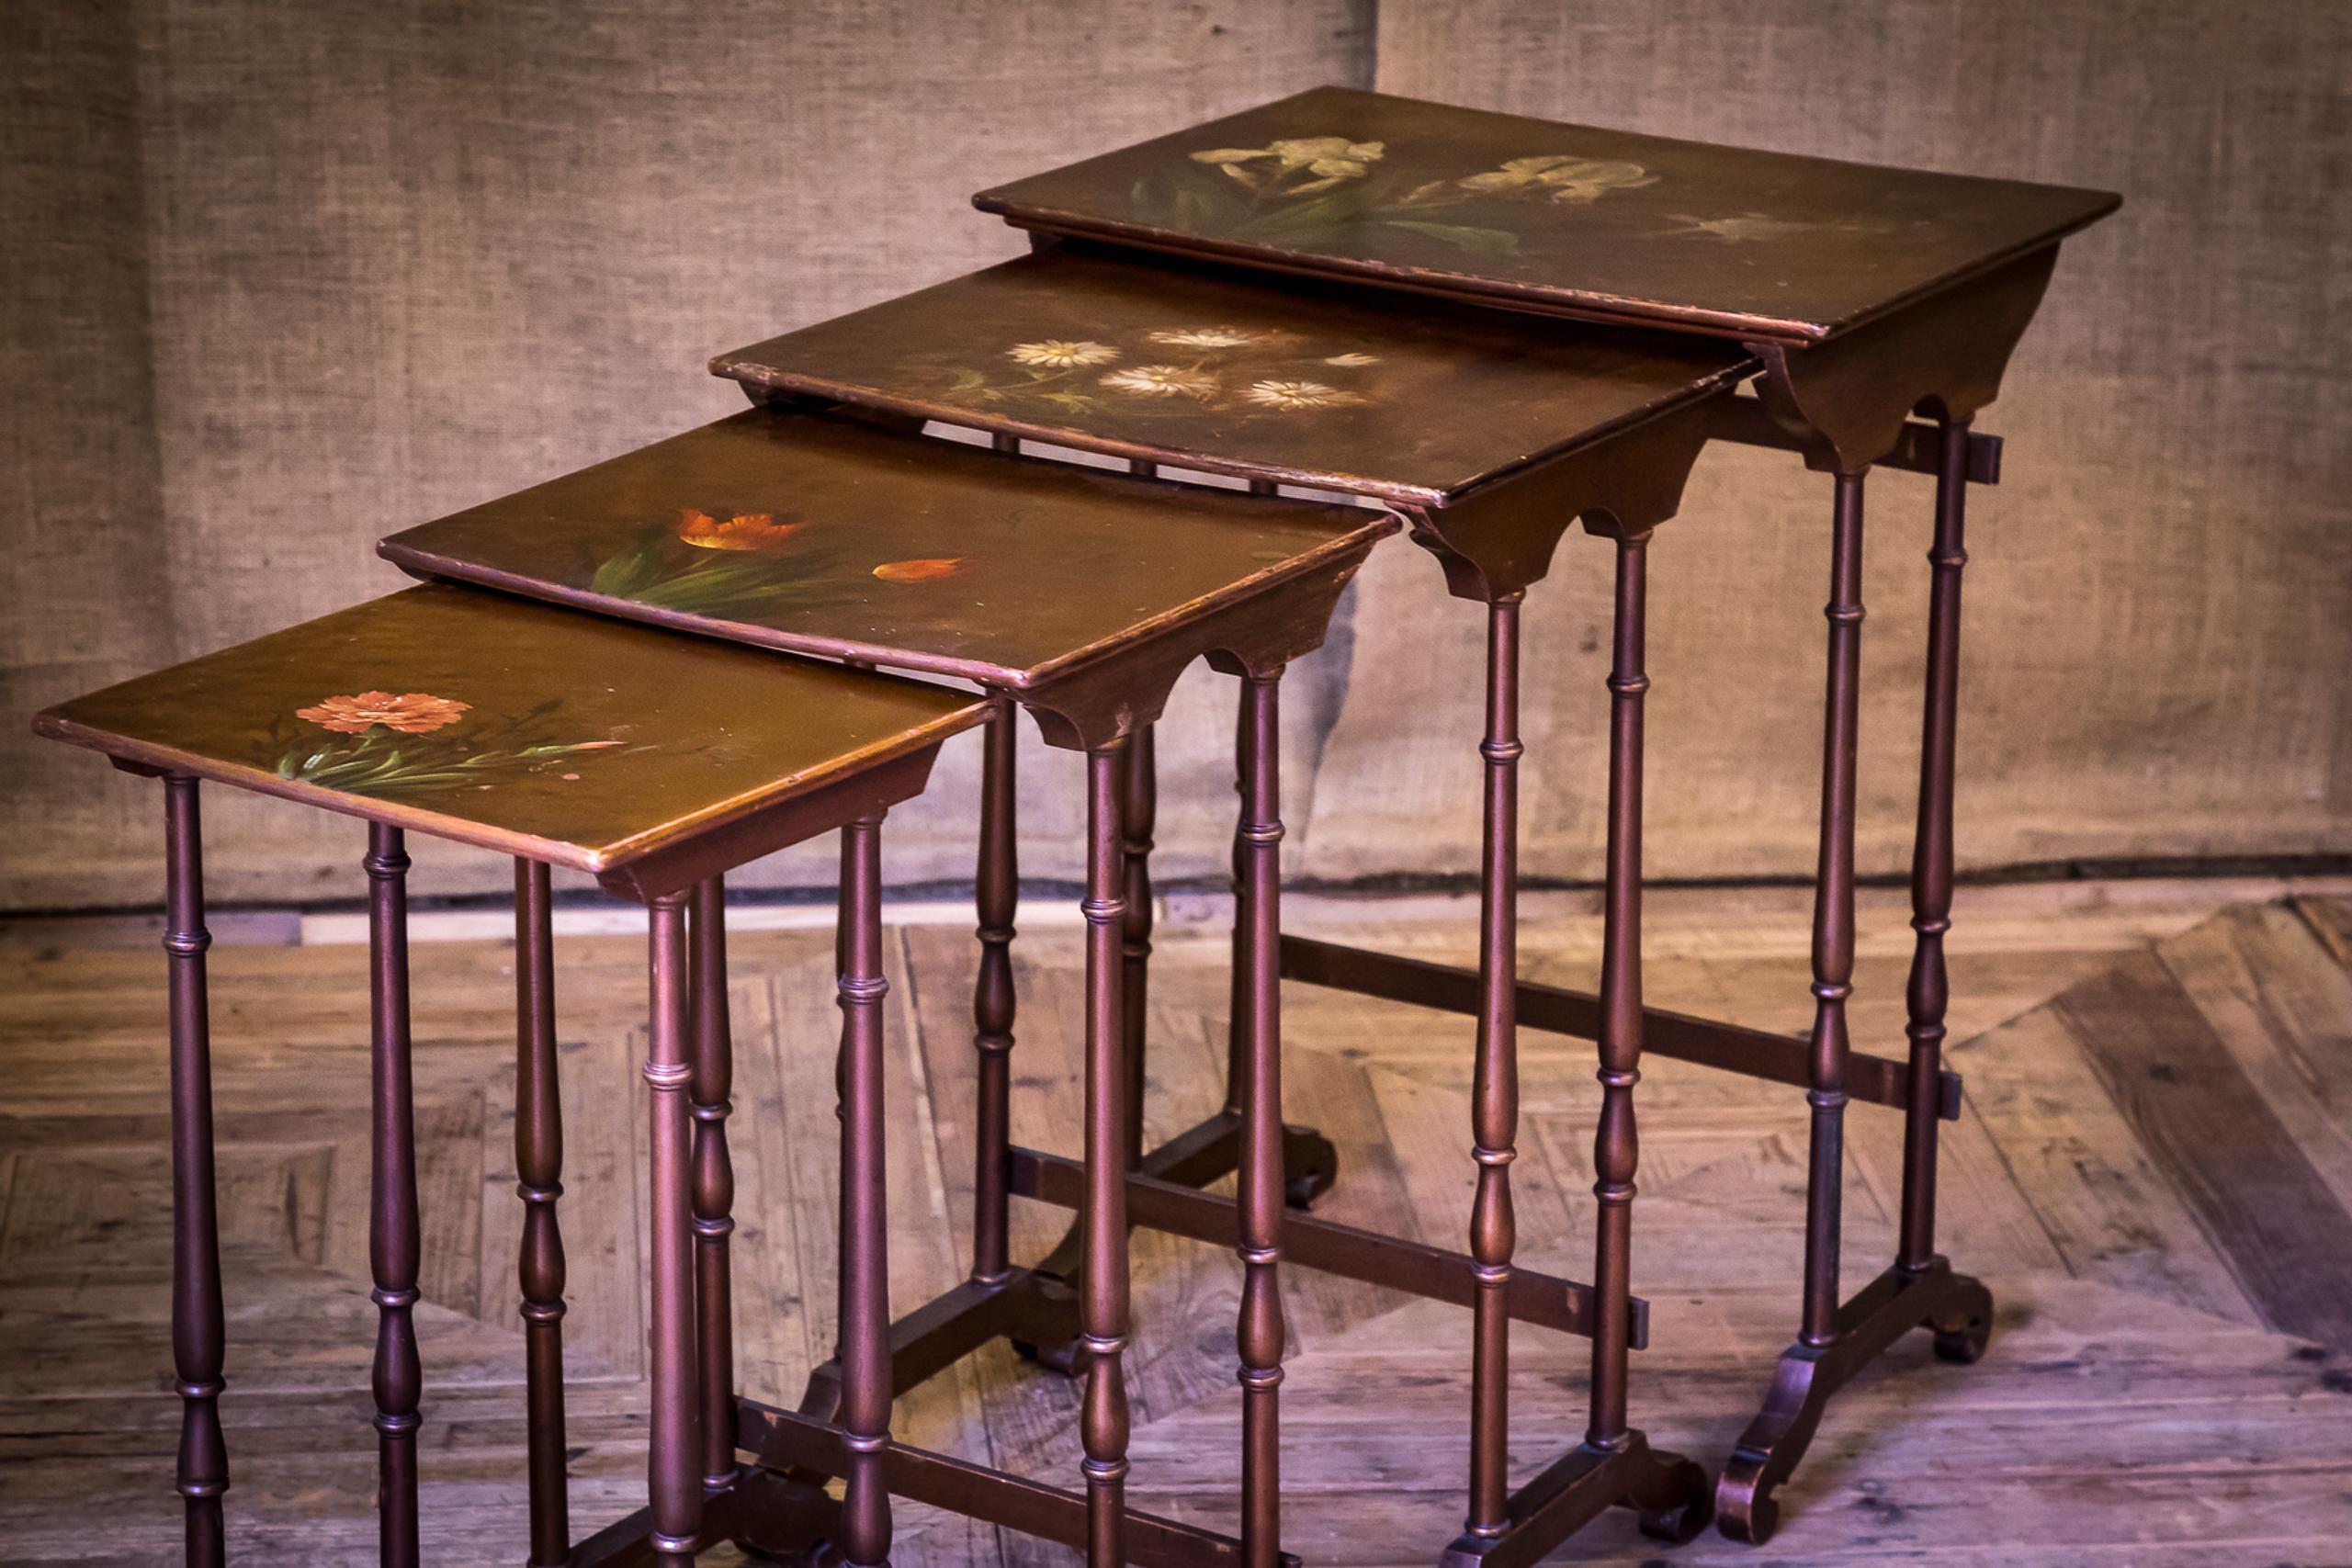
(1852, 297)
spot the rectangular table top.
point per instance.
(1604, 224)
(826, 536)
(1411, 402)
(570, 738)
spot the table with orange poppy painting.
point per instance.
(1865, 295)
(1077, 595)
(654, 761)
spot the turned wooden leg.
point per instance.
(675, 1468)
(714, 1182)
(538, 1179)
(1138, 807)
(1103, 1280)
(392, 1235)
(198, 1335)
(1260, 1186)
(1931, 853)
(864, 1310)
(1237, 1044)
(1495, 1088)
(1811, 1369)
(1964, 1329)
(1615, 1149)
(1832, 921)
(997, 894)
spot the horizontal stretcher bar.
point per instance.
(785, 1439)
(1329, 1247)
(1783, 1058)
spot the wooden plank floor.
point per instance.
(2154, 1172)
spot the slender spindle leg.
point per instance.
(1615, 1148)
(1833, 919)
(1259, 1187)
(675, 1468)
(1495, 1089)
(864, 1261)
(198, 1334)
(393, 1243)
(997, 893)
(538, 1173)
(714, 1197)
(1932, 853)
(1103, 1281)
(1138, 808)
(1236, 1044)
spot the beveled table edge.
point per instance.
(50, 725)
(733, 367)
(1580, 305)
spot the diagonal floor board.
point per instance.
(2141, 1058)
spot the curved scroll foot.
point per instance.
(1744, 1512)
(1964, 1327)
(1676, 1502)
(1310, 1164)
(1957, 1309)
(1768, 1450)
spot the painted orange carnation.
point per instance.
(743, 531)
(412, 713)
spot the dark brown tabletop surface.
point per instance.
(574, 740)
(826, 536)
(1353, 389)
(1606, 224)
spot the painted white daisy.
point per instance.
(1162, 381)
(1352, 361)
(1054, 354)
(1290, 395)
(1204, 337)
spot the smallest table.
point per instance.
(655, 762)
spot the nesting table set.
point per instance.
(662, 667)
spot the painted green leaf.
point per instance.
(1482, 241)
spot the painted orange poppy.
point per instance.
(412, 713)
(743, 531)
(919, 570)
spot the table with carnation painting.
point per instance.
(1483, 330)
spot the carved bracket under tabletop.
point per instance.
(1919, 449)
(710, 853)
(1846, 399)
(1106, 699)
(1500, 538)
